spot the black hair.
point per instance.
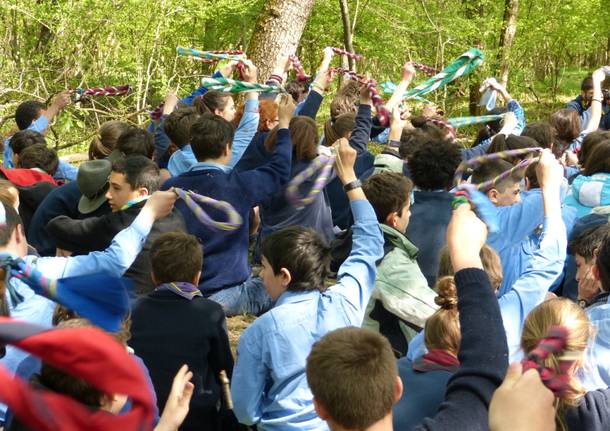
(13, 219)
(603, 264)
(511, 142)
(302, 252)
(433, 164)
(588, 242)
(491, 169)
(541, 132)
(297, 89)
(586, 84)
(210, 135)
(24, 139)
(178, 125)
(411, 139)
(27, 112)
(139, 172)
(489, 130)
(39, 156)
(135, 141)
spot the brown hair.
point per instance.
(5, 192)
(178, 125)
(590, 142)
(175, 256)
(566, 313)
(108, 134)
(352, 374)
(387, 192)
(346, 99)
(211, 101)
(304, 136)
(492, 265)
(334, 130)
(599, 160)
(442, 329)
(40, 157)
(491, 169)
(566, 124)
(267, 109)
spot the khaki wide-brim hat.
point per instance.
(92, 181)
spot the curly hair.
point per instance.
(433, 164)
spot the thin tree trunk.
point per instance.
(277, 33)
(474, 11)
(347, 32)
(511, 9)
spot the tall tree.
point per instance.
(511, 9)
(347, 32)
(277, 32)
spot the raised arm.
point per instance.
(483, 354)
(547, 261)
(408, 73)
(248, 124)
(359, 139)
(596, 102)
(125, 247)
(356, 276)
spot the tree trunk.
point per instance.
(474, 11)
(347, 33)
(277, 33)
(511, 9)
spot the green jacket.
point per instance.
(401, 298)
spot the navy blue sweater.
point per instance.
(225, 253)
(483, 358)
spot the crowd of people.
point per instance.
(394, 295)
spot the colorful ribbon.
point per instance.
(382, 112)
(482, 206)
(389, 87)
(157, 113)
(429, 70)
(469, 121)
(298, 67)
(477, 161)
(190, 199)
(116, 90)
(323, 165)
(352, 55)
(233, 86)
(213, 55)
(461, 66)
(554, 342)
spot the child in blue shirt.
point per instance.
(269, 386)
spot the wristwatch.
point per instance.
(352, 185)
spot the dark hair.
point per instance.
(178, 125)
(26, 138)
(511, 142)
(346, 100)
(352, 374)
(211, 101)
(587, 243)
(304, 137)
(41, 157)
(411, 139)
(27, 112)
(491, 169)
(297, 89)
(433, 164)
(108, 134)
(139, 172)
(387, 192)
(542, 133)
(175, 256)
(302, 252)
(13, 219)
(586, 84)
(489, 130)
(599, 160)
(136, 142)
(590, 142)
(603, 264)
(532, 176)
(334, 130)
(210, 135)
(566, 124)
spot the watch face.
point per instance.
(583, 303)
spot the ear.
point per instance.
(595, 271)
(320, 410)
(286, 277)
(218, 112)
(398, 389)
(143, 191)
(19, 234)
(527, 183)
(493, 196)
(227, 152)
(390, 220)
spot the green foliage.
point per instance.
(49, 45)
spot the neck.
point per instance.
(385, 424)
(224, 160)
(10, 249)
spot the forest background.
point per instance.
(50, 45)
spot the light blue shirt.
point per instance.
(40, 125)
(545, 265)
(269, 386)
(596, 372)
(184, 158)
(115, 260)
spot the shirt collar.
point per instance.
(291, 297)
(199, 166)
(600, 299)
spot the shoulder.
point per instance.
(592, 412)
